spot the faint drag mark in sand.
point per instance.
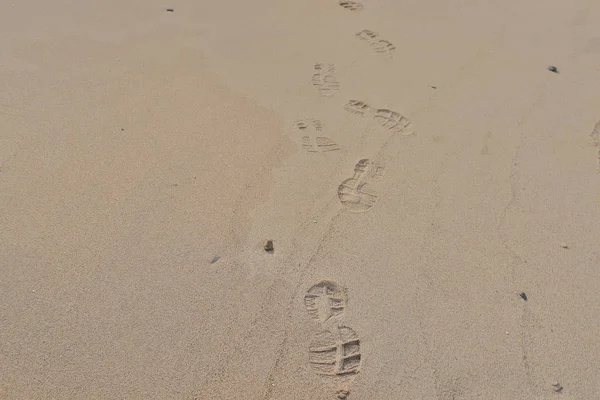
(529, 323)
(515, 261)
(387, 119)
(378, 45)
(360, 193)
(351, 5)
(595, 135)
(325, 81)
(312, 142)
(334, 350)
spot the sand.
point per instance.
(431, 189)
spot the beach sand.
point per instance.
(431, 188)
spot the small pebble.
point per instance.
(434, 87)
(557, 387)
(523, 296)
(342, 394)
(170, 9)
(552, 68)
(214, 260)
(269, 246)
(564, 245)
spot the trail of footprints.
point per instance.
(334, 350)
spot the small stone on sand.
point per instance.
(523, 296)
(557, 387)
(552, 68)
(269, 246)
(342, 394)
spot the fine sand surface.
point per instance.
(431, 188)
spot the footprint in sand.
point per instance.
(312, 142)
(595, 135)
(325, 81)
(335, 353)
(388, 119)
(378, 45)
(326, 301)
(334, 350)
(359, 108)
(351, 5)
(361, 192)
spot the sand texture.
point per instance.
(431, 188)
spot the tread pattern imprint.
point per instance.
(312, 140)
(378, 45)
(361, 192)
(334, 350)
(324, 80)
(390, 120)
(351, 5)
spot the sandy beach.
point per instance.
(428, 173)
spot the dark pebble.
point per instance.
(170, 9)
(523, 296)
(557, 387)
(269, 246)
(552, 68)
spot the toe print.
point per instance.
(387, 119)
